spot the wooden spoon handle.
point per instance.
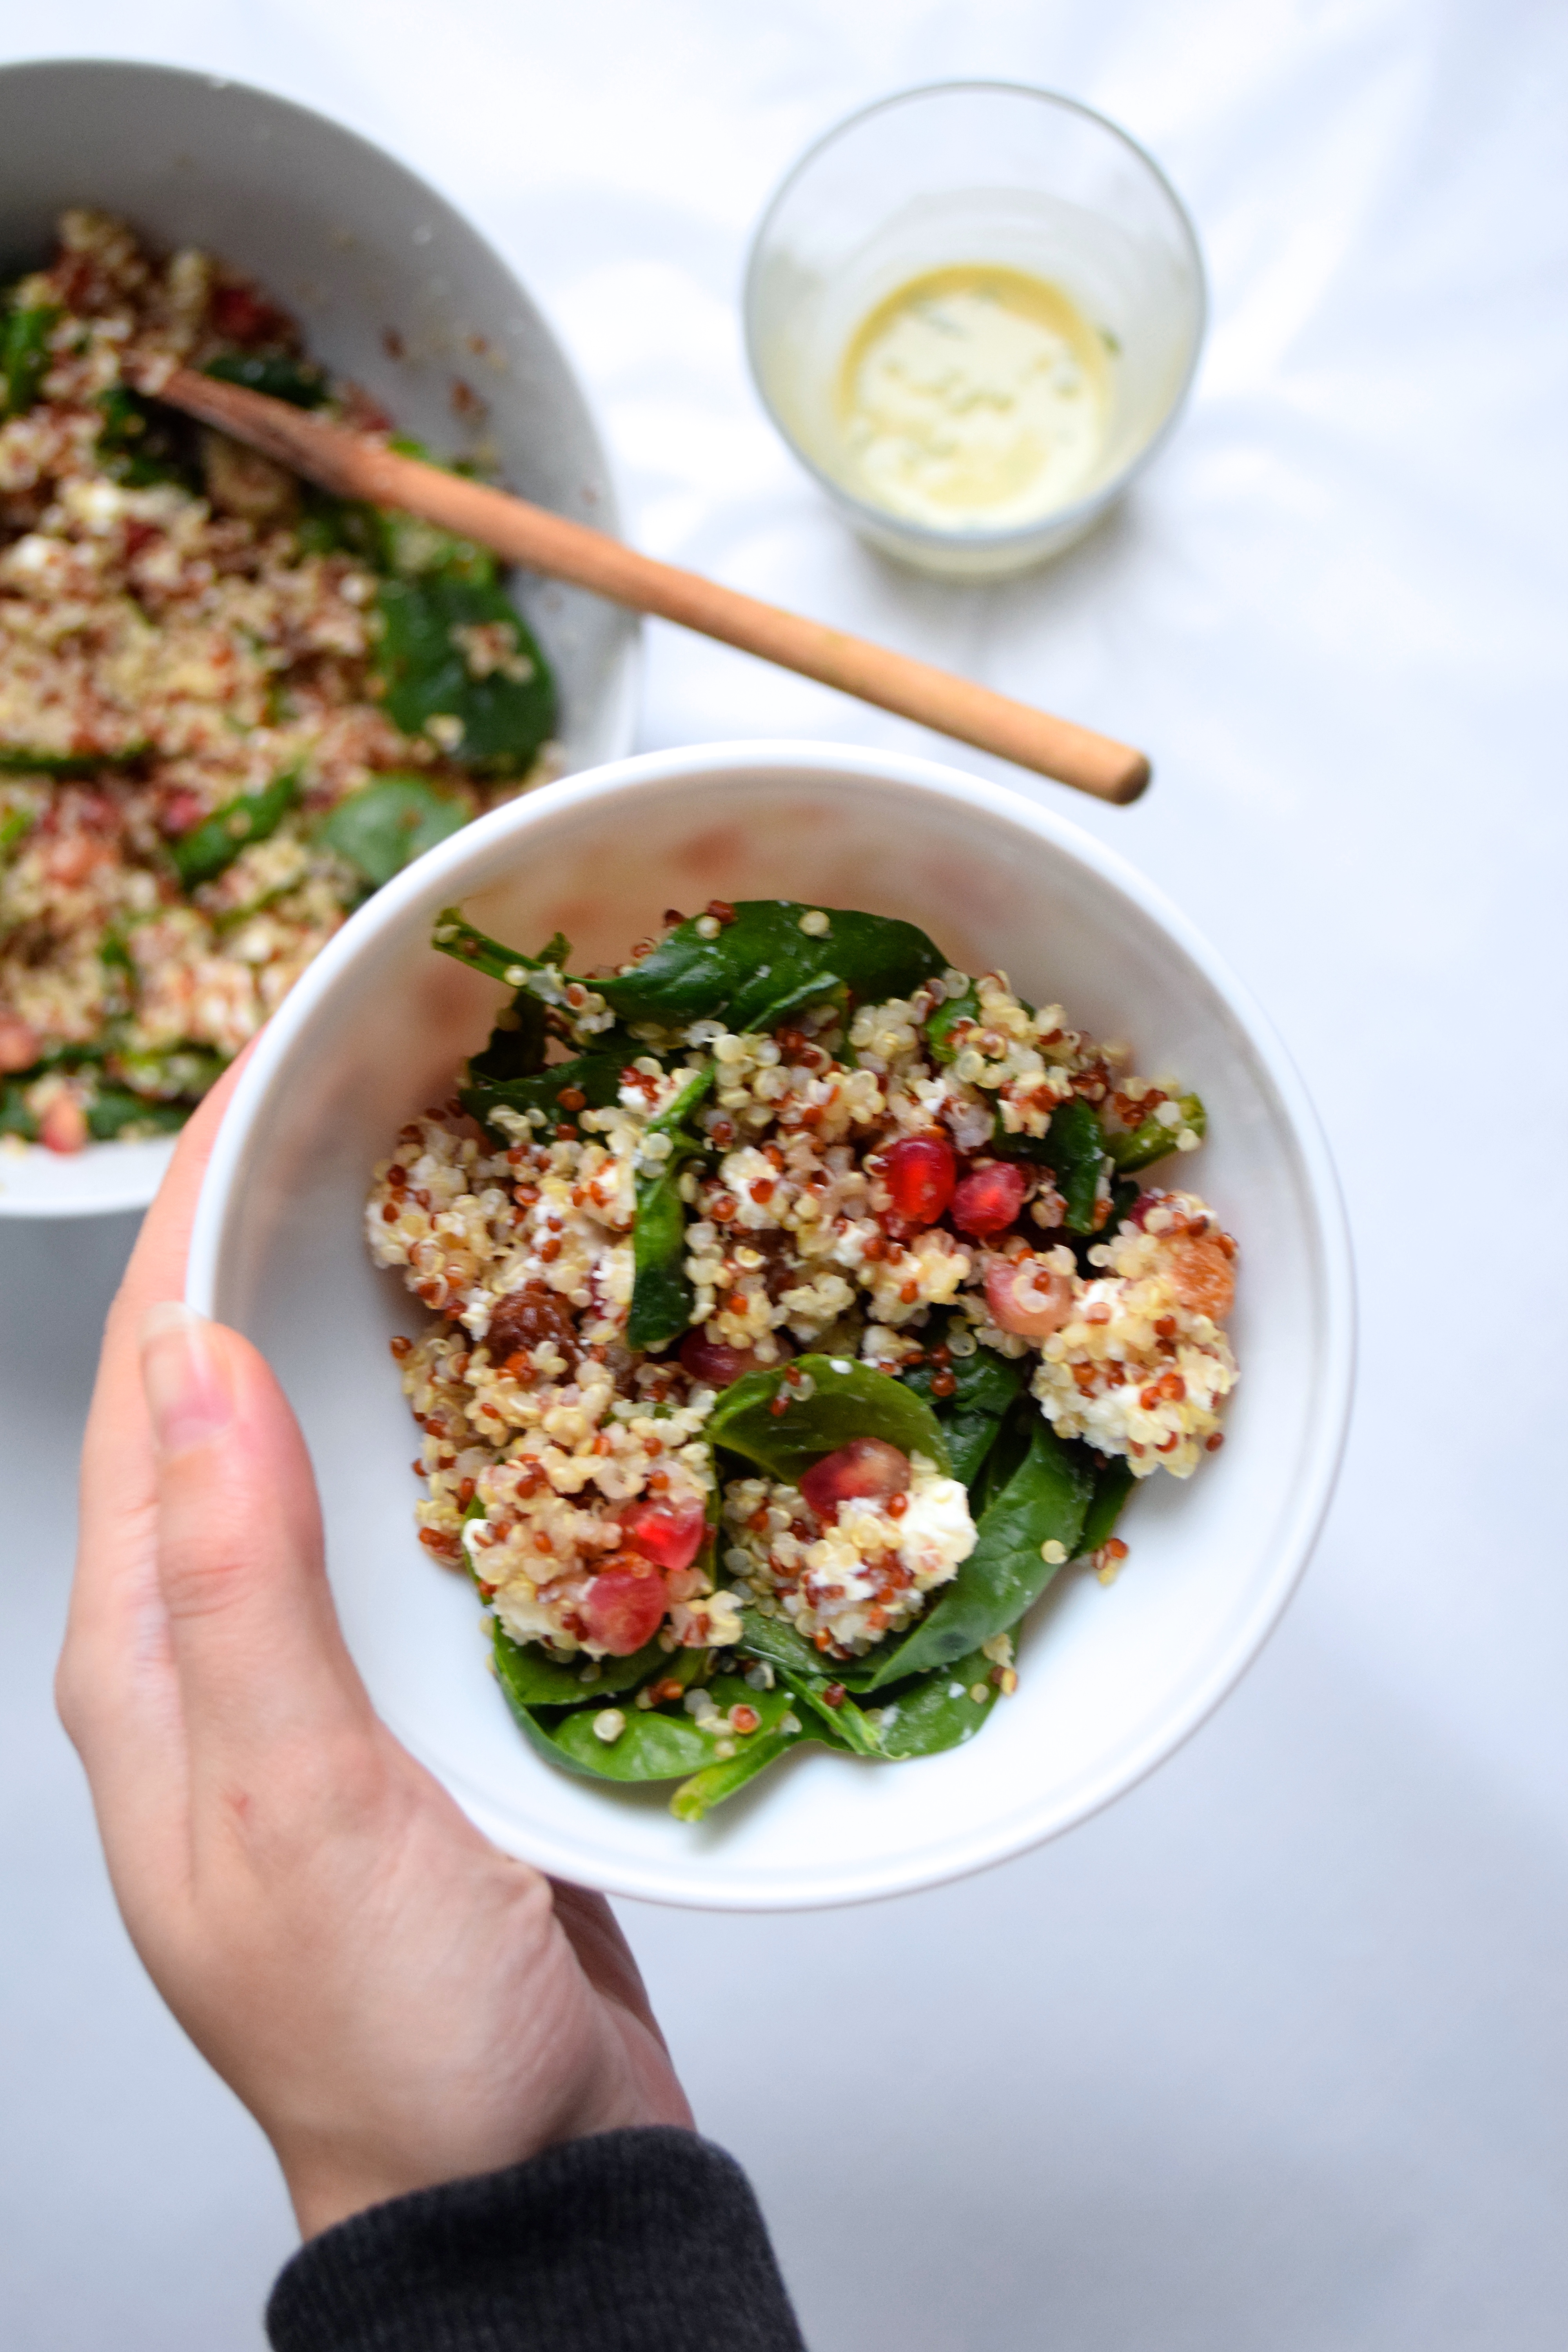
(342, 461)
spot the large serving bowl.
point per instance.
(1111, 1680)
(371, 261)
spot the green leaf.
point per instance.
(848, 1400)
(1113, 1482)
(15, 1118)
(334, 525)
(519, 1044)
(763, 965)
(716, 1781)
(204, 852)
(656, 1744)
(113, 1110)
(140, 443)
(504, 719)
(848, 1726)
(532, 1677)
(661, 1293)
(299, 382)
(24, 357)
(1074, 1148)
(24, 758)
(455, 936)
(936, 1712)
(596, 1076)
(390, 821)
(1046, 1500)
(13, 827)
(1151, 1140)
(185, 1074)
(972, 1416)
(939, 1027)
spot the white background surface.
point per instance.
(1270, 2058)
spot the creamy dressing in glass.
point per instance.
(973, 398)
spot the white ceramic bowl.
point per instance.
(356, 246)
(1112, 1679)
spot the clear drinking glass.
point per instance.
(987, 175)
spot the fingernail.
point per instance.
(186, 1396)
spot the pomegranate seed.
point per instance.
(989, 1199)
(624, 1608)
(866, 1469)
(919, 1172)
(669, 1534)
(63, 1127)
(711, 1361)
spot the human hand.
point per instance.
(396, 2002)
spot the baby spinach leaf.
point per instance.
(497, 722)
(1075, 1145)
(15, 1118)
(24, 357)
(203, 854)
(939, 1028)
(850, 1728)
(654, 1745)
(182, 1074)
(113, 1110)
(329, 525)
(661, 1292)
(24, 758)
(456, 937)
(848, 1400)
(1046, 1500)
(532, 1677)
(763, 964)
(280, 377)
(1113, 1482)
(391, 821)
(776, 1640)
(140, 443)
(716, 1781)
(1151, 1140)
(1074, 1148)
(15, 826)
(596, 1076)
(972, 1416)
(937, 1711)
(519, 1044)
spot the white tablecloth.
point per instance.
(1269, 2058)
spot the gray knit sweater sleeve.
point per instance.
(629, 2242)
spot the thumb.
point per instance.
(257, 1649)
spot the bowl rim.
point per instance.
(1062, 523)
(130, 1173)
(221, 1204)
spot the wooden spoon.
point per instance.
(354, 467)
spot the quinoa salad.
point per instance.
(799, 1306)
(230, 705)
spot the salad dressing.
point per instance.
(973, 397)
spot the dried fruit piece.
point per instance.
(624, 1606)
(669, 1534)
(866, 1470)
